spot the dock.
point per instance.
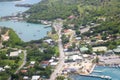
(92, 68)
(99, 76)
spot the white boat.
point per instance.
(97, 71)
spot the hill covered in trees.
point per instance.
(106, 13)
(84, 10)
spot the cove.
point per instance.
(26, 31)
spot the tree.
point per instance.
(64, 39)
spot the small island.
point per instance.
(8, 0)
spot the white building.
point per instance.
(36, 77)
(14, 54)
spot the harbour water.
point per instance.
(114, 73)
(26, 31)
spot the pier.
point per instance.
(92, 68)
(99, 76)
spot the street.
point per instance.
(24, 62)
(61, 57)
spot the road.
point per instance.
(61, 57)
(24, 62)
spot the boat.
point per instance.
(20, 33)
(97, 71)
(38, 30)
(106, 77)
(34, 35)
(47, 26)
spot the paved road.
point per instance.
(61, 58)
(24, 62)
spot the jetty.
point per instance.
(92, 68)
(99, 76)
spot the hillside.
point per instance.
(106, 13)
(85, 10)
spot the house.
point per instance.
(100, 48)
(32, 62)
(6, 67)
(69, 32)
(85, 55)
(1, 69)
(51, 60)
(117, 50)
(53, 64)
(49, 41)
(78, 38)
(14, 54)
(23, 71)
(109, 52)
(35, 77)
(84, 49)
(73, 58)
(44, 64)
(25, 78)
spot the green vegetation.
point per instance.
(85, 11)
(61, 78)
(5, 59)
(82, 13)
(52, 9)
(14, 39)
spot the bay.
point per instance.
(26, 31)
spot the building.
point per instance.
(1, 69)
(44, 64)
(14, 54)
(32, 62)
(25, 78)
(49, 41)
(35, 77)
(84, 49)
(53, 64)
(100, 48)
(117, 50)
(73, 58)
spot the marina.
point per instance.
(106, 74)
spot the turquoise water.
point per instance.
(114, 73)
(26, 31)
(108, 71)
(8, 8)
(77, 77)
